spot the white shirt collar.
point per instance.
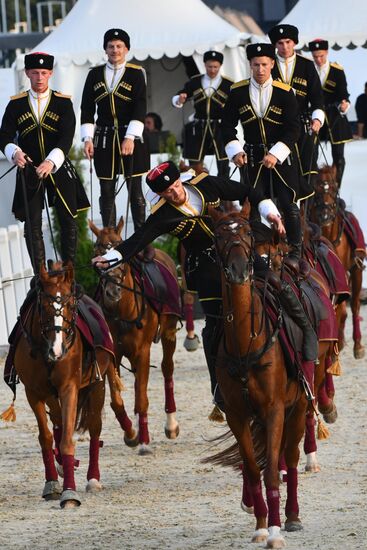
(266, 84)
(289, 59)
(43, 95)
(117, 67)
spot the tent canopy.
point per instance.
(157, 28)
(341, 23)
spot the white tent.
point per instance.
(344, 25)
(160, 32)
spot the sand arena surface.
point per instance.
(171, 500)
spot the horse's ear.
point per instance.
(120, 225)
(246, 208)
(333, 171)
(43, 272)
(69, 272)
(93, 228)
(214, 213)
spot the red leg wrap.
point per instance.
(143, 429)
(170, 405)
(260, 509)
(246, 491)
(124, 420)
(309, 444)
(323, 398)
(93, 469)
(68, 466)
(49, 462)
(291, 506)
(273, 500)
(329, 385)
(189, 316)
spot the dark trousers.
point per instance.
(34, 236)
(108, 206)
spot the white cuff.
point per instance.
(86, 131)
(9, 151)
(57, 157)
(135, 128)
(129, 136)
(114, 257)
(346, 110)
(280, 150)
(319, 114)
(232, 148)
(266, 207)
(175, 102)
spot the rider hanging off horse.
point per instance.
(36, 135)
(181, 209)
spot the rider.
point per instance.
(117, 90)
(300, 73)
(268, 112)
(36, 135)
(203, 136)
(181, 208)
(336, 129)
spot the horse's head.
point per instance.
(57, 308)
(112, 283)
(269, 245)
(325, 204)
(234, 243)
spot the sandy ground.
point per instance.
(170, 499)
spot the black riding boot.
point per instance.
(293, 307)
(35, 247)
(69, 242)
(107, 205)
(292, 222)
(210, 338)
(340, 166)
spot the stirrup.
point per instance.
(307, 388)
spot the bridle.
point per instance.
(224, 246)
(325, 211)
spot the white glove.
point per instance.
(113, 257)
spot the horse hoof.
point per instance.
(145, 450)
(331, 416)
(69, 499)
(93, 486)
(134, 442)
(260, 535)
(52, 490)
(172, 434)
(247, 509)
(191, 344)
(312, 468)
(292, 526)
(275, 539)
(359, 353)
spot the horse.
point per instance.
(265, 409)
(268, 245)
(135, 324)
(326, 211)
(59, 371)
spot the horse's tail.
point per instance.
(84, 410)
(231, 455)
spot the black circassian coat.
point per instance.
(196, 234)
(306, 84)
(337, 128)
(55, 130)
(203, 136)
(115, 109)
(279, 123)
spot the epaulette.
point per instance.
(59, 94)
(157, 205)
(132, 66)
(336, 66)
(198, 178)
(18, 96)
(282, 85)
(240, 83)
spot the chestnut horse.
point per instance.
(325, 212)
(50, 361)
(268, 245)
(135, 325)
(265, 409)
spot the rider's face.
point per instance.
(175, 193)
